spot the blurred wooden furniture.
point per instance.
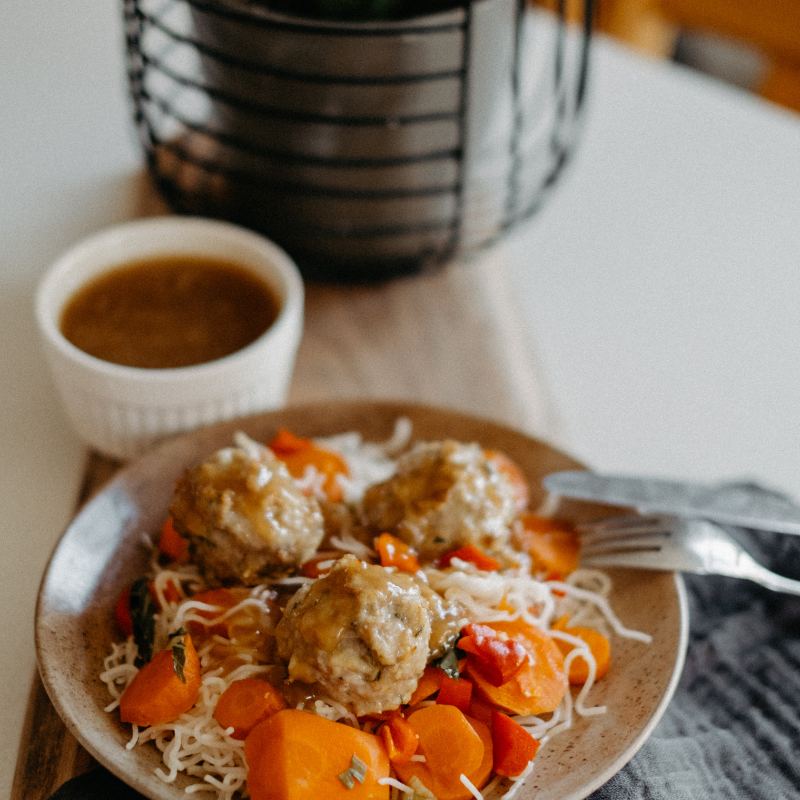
(771, 26)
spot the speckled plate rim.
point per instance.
(104, 548)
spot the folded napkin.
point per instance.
(732, 729)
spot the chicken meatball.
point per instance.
(360, 633)
(446, 621)
(444, 495)
(244, 516)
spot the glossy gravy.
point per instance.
(171, 311)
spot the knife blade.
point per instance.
(746, 505)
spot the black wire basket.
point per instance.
(368, 150)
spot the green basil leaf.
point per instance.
(179, 653)
(346, 778)
(143, 611)
(448, 663)
(358, 769)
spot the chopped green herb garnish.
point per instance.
(179, 652)
(346, 778)
(421, 792)
(448, 663)
(357, 771)
(143, 620)
(358, 768)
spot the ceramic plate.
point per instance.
(103, 550)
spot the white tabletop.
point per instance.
(657, 286)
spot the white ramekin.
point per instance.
(121, 411)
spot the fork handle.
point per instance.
(761, 575)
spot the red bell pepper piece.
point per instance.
(455, 693)
(396, 553)
(496, 659)
(474, 556)
(514, 747)
(399, 738)
(122, 612)
(171, 543)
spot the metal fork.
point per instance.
(673, 544)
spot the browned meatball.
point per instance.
(361, 633)
(244, 516)
(444, 495)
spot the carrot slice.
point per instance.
(553, 545)
(539, 686)
(319, 565)
(246, 703)
(222, 597)
(474, 556)
(157, 694)
(298, 454)
(225, 599)
(453, 744)
(481, 709)
(599, 646)
(503, 464)
(455, 693)
(427, 685)
(171, 543)
(296, 755)
(399, 738)
(514, 747)
(396, 553)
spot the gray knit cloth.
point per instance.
(732, 729)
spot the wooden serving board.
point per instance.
(451, 338)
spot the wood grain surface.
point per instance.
(451, 338)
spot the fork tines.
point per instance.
(629, 532)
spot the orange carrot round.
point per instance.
(156, 694)
(246, 703)
(455, 693)
(319, 565)
(539, 686)
(222, 597)
(396, 553)
(453, 744)
(553, 545)
(296, 755)
(427, 685)
(600, 648)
